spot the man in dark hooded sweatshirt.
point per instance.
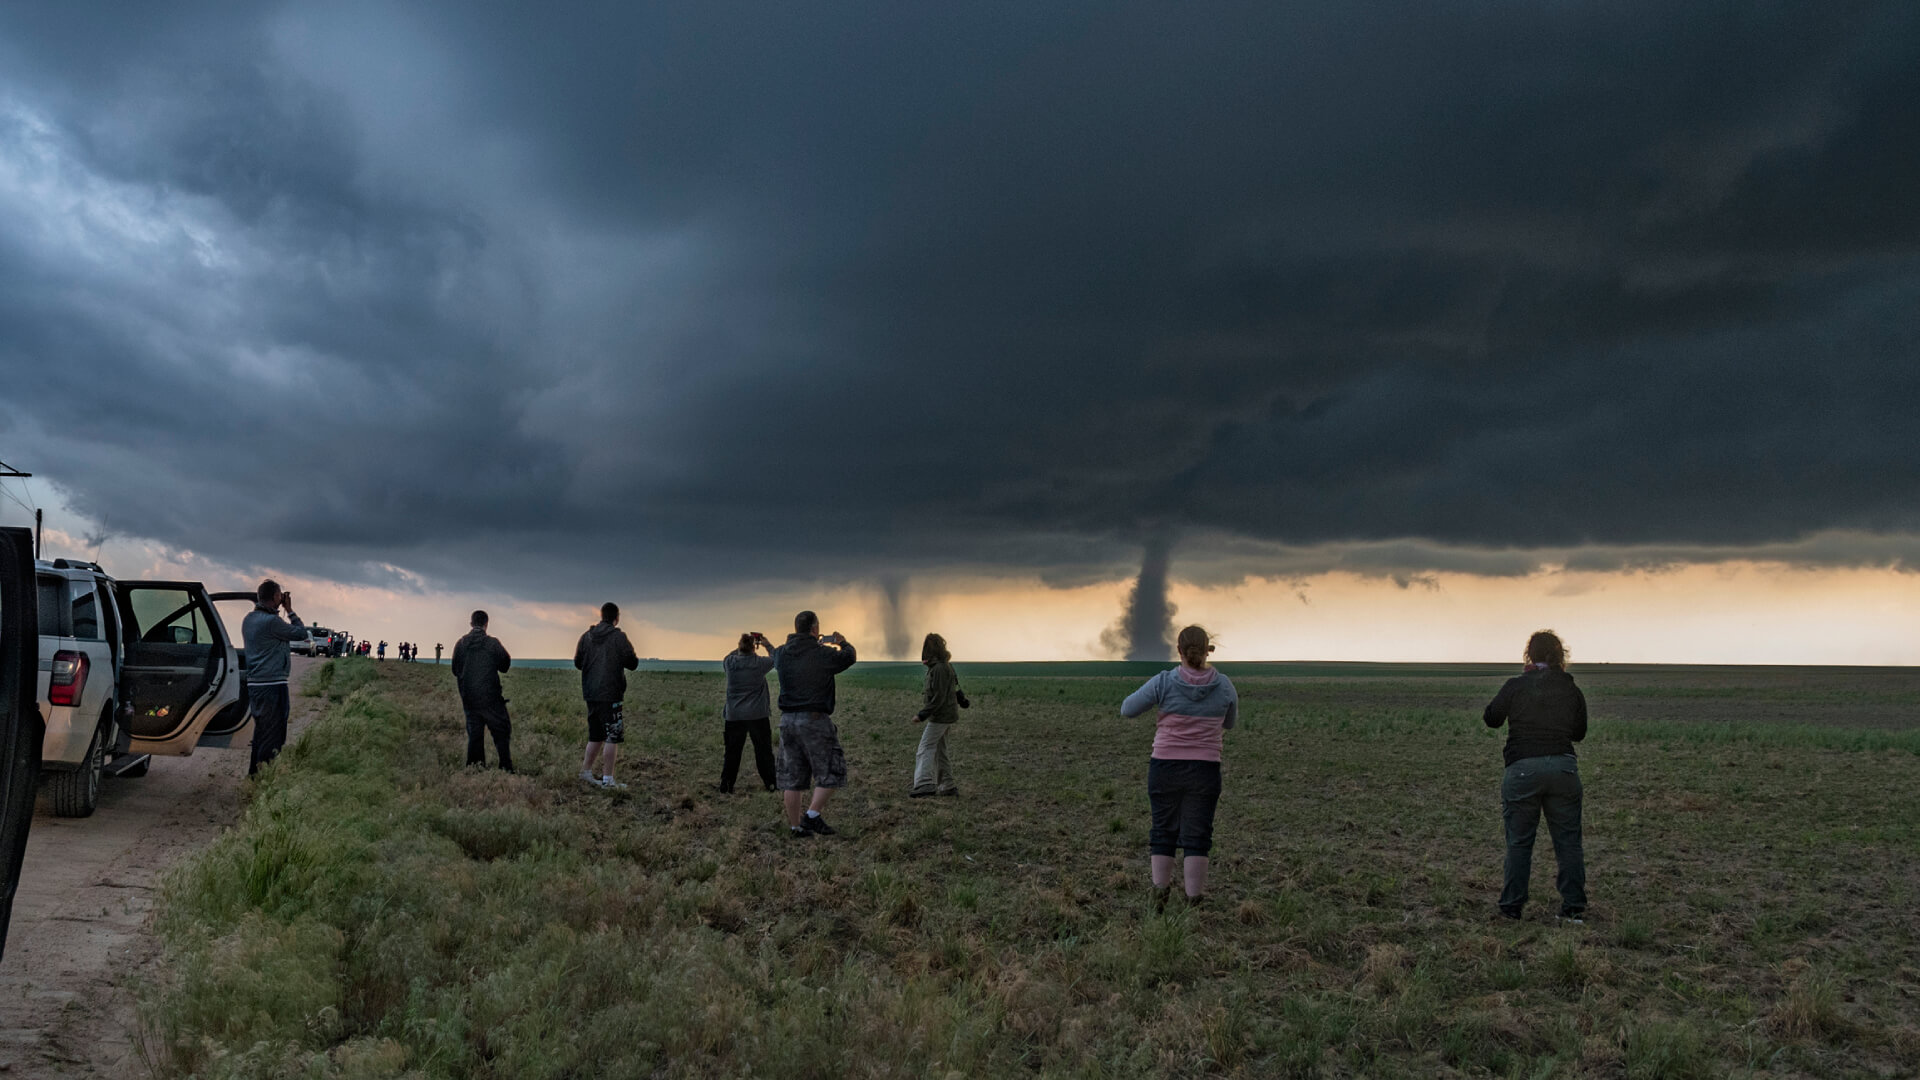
(810, 754)
(478, 661)
(604, 656)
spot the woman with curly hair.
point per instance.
(1545, 714)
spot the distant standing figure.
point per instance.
(478, 662)
(810, 753)
(604, 656)
(748, 710)
(383, 650)
(1545, 714)
(1196, 707)
(436, 651)
(940, 710)
(267, 638)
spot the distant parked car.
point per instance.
(128, 669)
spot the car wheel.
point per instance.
(77, 793)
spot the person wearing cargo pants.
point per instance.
(1531, 787)
(267, 638)
(1545, 714)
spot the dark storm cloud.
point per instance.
(707, 294)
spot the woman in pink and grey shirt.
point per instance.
(1196, 706)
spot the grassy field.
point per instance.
(1753, 840)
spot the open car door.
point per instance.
(233, 725)
(181, 671)
(21, 726)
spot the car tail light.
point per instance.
(69, 678)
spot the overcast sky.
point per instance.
(669, 300)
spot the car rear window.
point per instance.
(86, 613)
(50, 601)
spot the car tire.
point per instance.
(76, 794)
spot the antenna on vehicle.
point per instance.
(9, 472)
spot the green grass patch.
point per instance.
(381, 911)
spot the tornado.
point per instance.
(893, 618)
(1144, 630)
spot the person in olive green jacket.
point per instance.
(932, 769)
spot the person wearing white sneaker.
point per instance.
(604, 656)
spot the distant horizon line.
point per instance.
(567, 662)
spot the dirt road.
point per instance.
(80, 921)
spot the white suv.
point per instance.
(128, 669)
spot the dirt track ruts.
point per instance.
(81, 920)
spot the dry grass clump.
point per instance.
(1811, 1008)
(1385, 968)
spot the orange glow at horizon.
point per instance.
(1727, 613)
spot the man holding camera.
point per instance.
(810, 754)
(267, 638)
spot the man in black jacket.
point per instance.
(604, 656)
(478, 660)
(810, 754)
(1545, 714)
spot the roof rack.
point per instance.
(77, 564)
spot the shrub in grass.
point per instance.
(1810, 1010)
(1635, 932)
(1568, 967)
(1662, 1049)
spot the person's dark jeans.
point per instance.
(1533, 786)
(1184, 795)
(736, 739)
(269, 706)
(479, 723)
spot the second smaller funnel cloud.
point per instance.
(1144, 630)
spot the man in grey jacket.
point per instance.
(478, 661)
(266, 637)
(604, 656)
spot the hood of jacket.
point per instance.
(1189, 692)
(601, 631)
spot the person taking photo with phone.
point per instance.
(1545, 714)
(810, 754)
(268, 639)
(748, 710)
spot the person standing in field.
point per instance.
(1545, 714)
(748, 710)
(810, 754)
(382, 650)
(1196, 706)
(437, 646)
(604, 656)
(478, 662)
(940, 710)
(267, 638)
